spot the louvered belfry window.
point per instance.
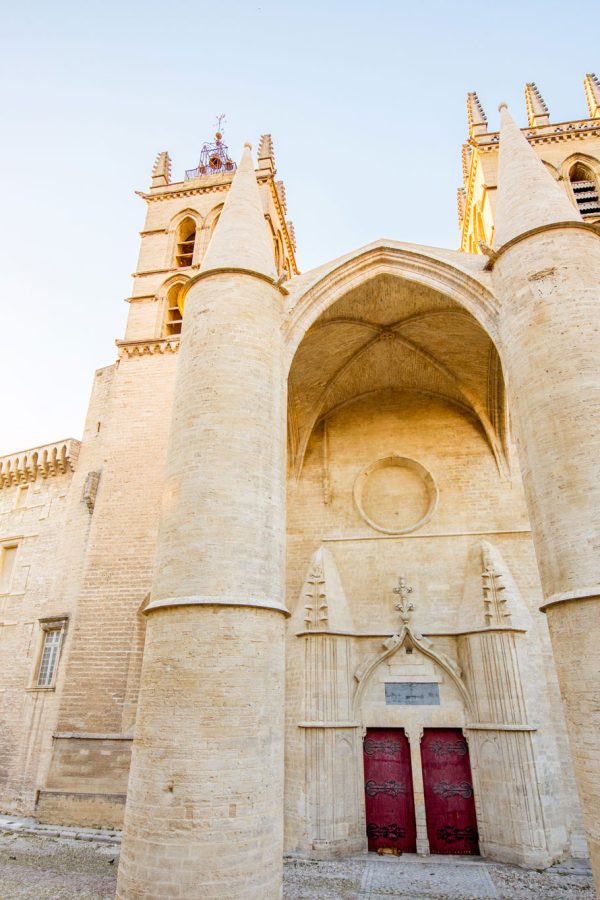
(174, 314)
(186, 238)
(585, 191)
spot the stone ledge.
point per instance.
(170, 602)
(29, 825)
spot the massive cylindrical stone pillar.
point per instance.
(204, 815)
(550, 334)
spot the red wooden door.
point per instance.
(449, 802)
(390, 808)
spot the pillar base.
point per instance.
(204, 814)
(574, 629)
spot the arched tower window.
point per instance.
(174, 310)
(186, 238)
(278, 255)
(585, 190)
(478, 226)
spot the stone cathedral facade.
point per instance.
(323, 573)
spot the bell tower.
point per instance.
(569, 150)
(181, 218)
(205, 797)
(217, 211)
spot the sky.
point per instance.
(365, 102)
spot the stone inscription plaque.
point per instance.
(412, 693)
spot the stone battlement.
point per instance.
(49, 459)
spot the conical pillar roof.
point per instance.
(241, 239)
(528, 195)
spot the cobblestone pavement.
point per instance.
(50, 868)
(444, 878)
(44, 867)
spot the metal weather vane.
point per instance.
(214, 156)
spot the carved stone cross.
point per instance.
(405, 607)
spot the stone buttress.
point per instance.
(204, 808)
(547, 272)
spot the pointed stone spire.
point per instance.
(322, 605)
(461, 202)
(266, 154)
(280, 186)
(292, 232)
(592, 94)
(241, 239)
(537, 111)
(528, 195)
(502, 601)
(466, 156)
(491, 597)
(161, 172)
(475, 115)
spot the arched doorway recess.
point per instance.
(394, 378)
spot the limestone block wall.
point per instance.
(125, 441)
(209, 737)
(474, 504)
(518, 769)
(548, 284)
(210, 714)
(201, 200)
(559, 152)
(32, 518)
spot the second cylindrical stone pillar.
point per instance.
(204, 809)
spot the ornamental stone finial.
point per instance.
(404, 607)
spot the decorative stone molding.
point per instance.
(537, 109)
(396, 461)
(147, 348)
(409, 637)
(593, 227)
(170, 192)
(545, 134)
(323, 607)
(331, 736)
(476, 117)
(90, 736)
(161, 171)
(43, 462)
(592, 94)
(468, 288)
(256, 603)
(90, 489)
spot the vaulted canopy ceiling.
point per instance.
(391, 333)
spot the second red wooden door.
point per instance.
(449, 802)
(389, 803)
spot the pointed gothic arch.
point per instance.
(183, 230)
(459, 289)
(583, 175)
(170, 296)
(408, 636)
(460, 276)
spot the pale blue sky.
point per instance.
(365, 101)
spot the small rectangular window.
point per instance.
(8, 555)
(53, 633)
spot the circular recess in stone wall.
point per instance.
(395, 495)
